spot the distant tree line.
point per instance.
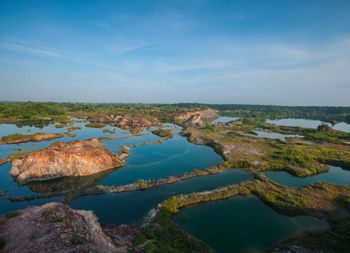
(34, 110)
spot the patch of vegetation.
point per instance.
(34, 235)
(280, 199)
(209, 128)
(12, 137)
(58, 218)
(218, 148)
(95, 125)
(59, 125)
(173, 204)
(336, 239)
(166, 236)
(71, 134)
(299, 162)
(162, 133)
(242, 164)
(11, 214)
(76, 240)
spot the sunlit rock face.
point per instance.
(75, 158)
(126, 121)
(197, 118)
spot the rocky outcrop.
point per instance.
(20, 138)
(75, 158)
(324, 128)
(55, 227)
(126, 121)
(197, 118)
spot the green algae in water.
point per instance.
(241, 224)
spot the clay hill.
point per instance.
(197, 118)
(125, 121)
(75, 158)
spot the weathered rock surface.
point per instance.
(19, 138)
(55, 227)
(126, 121)
(197, 118)
(75, 158)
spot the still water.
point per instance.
(241, 224)
(307, 123)
(224, 119)
(336, 175)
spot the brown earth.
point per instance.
(75, 158)
(197, 118)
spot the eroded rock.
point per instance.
(55, 227)
(75, 158)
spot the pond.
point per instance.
(307, 123)
(241, 224)
(270, 135)
(336, 175)
(224, 119)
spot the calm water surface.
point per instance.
(307, 123)
(224, 119)
(173, 157)
(336, 175)
(241, 224)
(132, 207)
(263, 134)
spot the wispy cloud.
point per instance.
(31, 50)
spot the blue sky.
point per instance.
(287, 52)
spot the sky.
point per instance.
(290, 52)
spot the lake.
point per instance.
(336, 175)
(224, 119)
(307, 123)
(242, 224)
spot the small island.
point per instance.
(75, 158)
(21, 138)
(162, 133)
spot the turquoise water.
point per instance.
(241, 224)
(131, 207)
(307, 123)
(336, 175)
(173, 157)
(262, 134)
(224, 119)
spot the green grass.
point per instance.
(166, 236)
(162, 133)
(95, 125)
(58, 218)
(11, 214)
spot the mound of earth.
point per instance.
(75, 158)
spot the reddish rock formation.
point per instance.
(55, 227)
(19, 138)
(75, 158)
(126, 121)
(197, 118)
